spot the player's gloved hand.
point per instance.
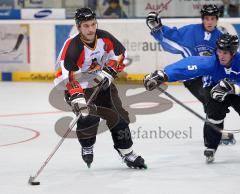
(155, 79)
(153, 21)
(107, 75)
(79, 104)
(224, 88)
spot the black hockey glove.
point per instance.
(153, 21)
(107, 75)
(78, 104)
(155, 79)
(224, 88)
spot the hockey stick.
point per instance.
(196, 114)
(31, 180)
(15, 48)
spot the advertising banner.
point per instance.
(38, 3)
(173, 8)
(10, 14)
(43, 14)
(14, 47)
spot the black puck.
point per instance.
(32, 182)
(35, 183)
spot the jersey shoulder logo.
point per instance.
(229, 71)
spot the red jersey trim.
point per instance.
(73, 85)
(63, 54)
(81, 59)
(109, 45)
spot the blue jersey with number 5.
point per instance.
(209, 67)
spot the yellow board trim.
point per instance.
(33, 76)
(49, 77)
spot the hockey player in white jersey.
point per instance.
(95, 53)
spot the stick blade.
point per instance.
(19, 41)
(5, 51)
(32, 182)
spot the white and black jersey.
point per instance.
(80, 61)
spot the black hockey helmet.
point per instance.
(210, 10)
(228, 42)
(84, 14)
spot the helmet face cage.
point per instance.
(210, 10)
(84, 14)
(228, 42)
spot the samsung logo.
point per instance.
(43, 13)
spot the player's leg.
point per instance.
(120, 132)
(235, 102)
(226, 138)
(195, 86)
(216, 112)
(86, 132)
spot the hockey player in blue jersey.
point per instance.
(221, 90)
(190, 40)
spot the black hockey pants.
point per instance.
(216, 112)
(195, 86)
(109, 108)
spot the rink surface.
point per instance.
(176, 164)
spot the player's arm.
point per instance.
(158, 30)
(74, 96)
(184, 69)
(175, 40)
(116, 53)
(189, 68)
(172, 40)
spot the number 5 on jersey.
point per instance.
(192, 67)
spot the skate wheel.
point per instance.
(234, 142)
(209, 160)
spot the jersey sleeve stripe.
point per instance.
(109, 44)
(184, 51)
(81, 59)
(64, 51)
(58, 73)
(73, 85)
